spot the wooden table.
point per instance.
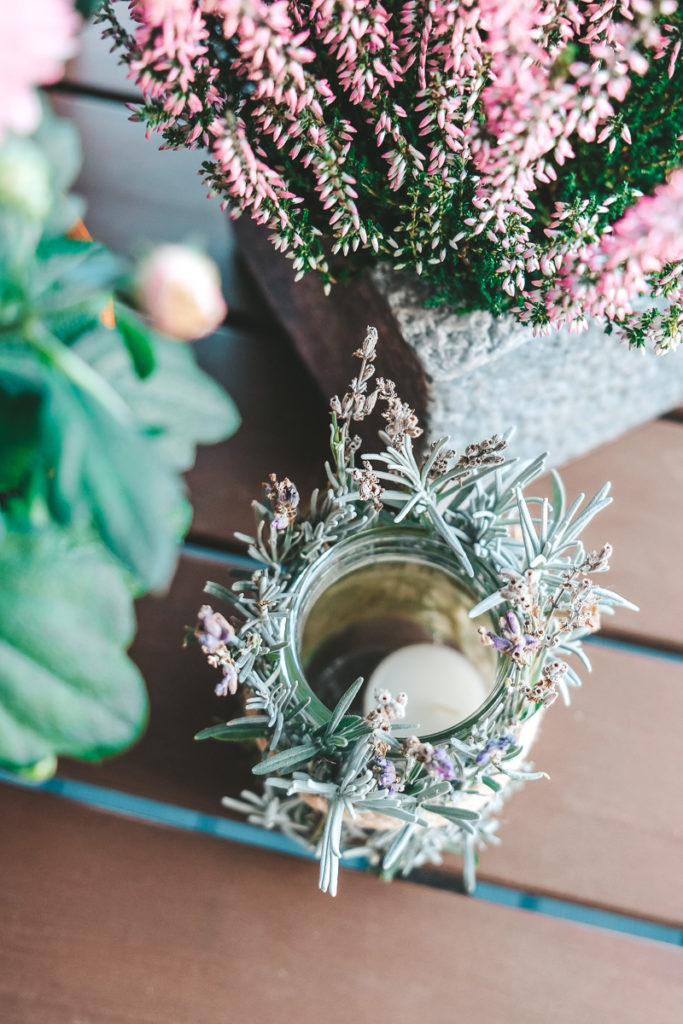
(128, 896)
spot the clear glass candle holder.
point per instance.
(375, 594)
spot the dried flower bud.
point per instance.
(284, 497)
(371, 402)
(597, 561)
(435, 759)
(369, 487)
(369, 346)
(484, 453)
(180, 291)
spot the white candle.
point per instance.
(443, 687)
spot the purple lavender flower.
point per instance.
(212, 629)
(435, 759)
(493, 746)
(440, 765)
(512, 640)
(387, 773)
(284, 497)
(228, 683)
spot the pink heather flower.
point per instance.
(642, 242)
(180, 291)
(502, 88)
(36, 37)
(171, 40)
(357, 33)
(650, 233)
(600, 276)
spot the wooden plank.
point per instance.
(606, 830)
(646, 470)
(137, 194)
(285, 430)
(112, 921)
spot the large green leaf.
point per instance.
(138, 339)
(20, 434)
(179, 404)
(66, 683)
(21, 393)
(108, 472)
(97, 466)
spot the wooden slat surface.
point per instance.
(168, 764)
(646, 470)
(606, 830)
(107, 921)
(285, 430)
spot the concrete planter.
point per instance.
(469, 375)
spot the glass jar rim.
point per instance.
(389, 537)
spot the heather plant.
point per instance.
(520, 155)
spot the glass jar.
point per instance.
(377, 593)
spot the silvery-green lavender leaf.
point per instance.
(615, 599)
(393, 854)
(287, 760)
(457, 814)
(469, 865)
(249, 728)
(343, 706)
(393, 810)
(525, 776)
(492, 601)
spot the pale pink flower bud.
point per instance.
(179, 289)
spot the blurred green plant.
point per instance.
(99, 417)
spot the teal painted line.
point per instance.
(630, 647)
(208, 554)
(142, 808)
(153, 811)
(579, 913)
